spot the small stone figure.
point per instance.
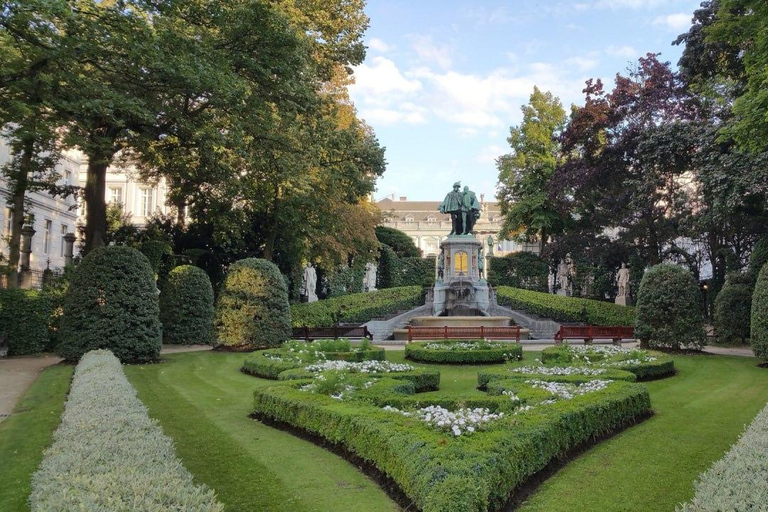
(489, 241)
(622, 281)
(480, 263)
(369, 281)
(470, 210)
(441, 266)
(563, 277)
(309, 283)
(452, 204)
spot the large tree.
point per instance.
(525, 172)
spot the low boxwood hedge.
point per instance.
(485, 378)
(27, 319)
(442, 471)
(464, 351)
(565, 309)
(645, 364)
(356, 307)
(422, 379)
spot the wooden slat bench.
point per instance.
(594, 332)
(337, 331)
(511, 332)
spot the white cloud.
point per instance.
(386, 116)
(626, 52)
(378, 45)
(582, 63)
(381, 77)
(430, 53)
(467, 132)
(678, 22)
(485, 16)
(489, 154)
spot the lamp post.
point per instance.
(27, 232)
(69, 240)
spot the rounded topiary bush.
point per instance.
(759, 256)
(668, 312)
(759, 331)
(112, 304)
(252, 309)
(732, 309)
(186, 306)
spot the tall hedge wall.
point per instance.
(112, 304)
(26, 318)
(356, 307)
(186, 307)
(733, 308)
(519, 270)
(759, 326)
(417, 271)
(389, 272)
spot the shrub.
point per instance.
(644, 364)
(253, 310)
(398, 241)
(389, 271)
(668, 313)
(155, 250)
(26, 318)
(759, 256)
(733, 308)
(112, 303)
(737, 481)
(759, 326)
(357, 307)
(344, 280)
(186, 306)
(565, 309)
(464, 351)
(520, 270)
(418, 272)
(107, 454)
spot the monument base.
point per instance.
(623, 300)
(562, 293)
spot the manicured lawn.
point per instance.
(202, 401)
(27, 432)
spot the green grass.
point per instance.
(27, 432)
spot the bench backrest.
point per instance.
(464, 333)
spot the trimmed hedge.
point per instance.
(628, 360)
(759, 256)
(668, 313)
(418, 271)
(399, 241)
(519, 270)
(107, 454)
(481, 353)
(565, 309)
(422, 379)
(737, 481)
(356, 307)
(26, 319)
(759, 326)
(437, 471)
(112, 303)
(733, 308)
(488, 377)
(186, 307)
(155, 251)
(252, 309)
(389, 271)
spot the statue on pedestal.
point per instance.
(489, 241)
(309, 283)
(622, 281)
(563, 277)
(470, 210)
(369, 280)
(453, 204)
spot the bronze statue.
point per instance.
(453, 204)
(470, 211)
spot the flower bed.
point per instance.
(270, 363)
(356, 307)
(565, 309)
(108, 455)
(738, 480)
(645, 364)
(448, 452)
(464, 351)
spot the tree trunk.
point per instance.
(19, 193)
(95, 201)
(543, 241)
(271, 238)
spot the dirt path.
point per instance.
(18, 373)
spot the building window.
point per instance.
(64, 230)
(115, 196)
(409, 219)
(47, 237)
(145, 202)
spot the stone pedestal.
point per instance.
(461, 291)
(562, 293)
(624, 300)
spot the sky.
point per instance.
(443, 81)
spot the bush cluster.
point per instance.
(186, 307)
(737, 481)
(759, 256)
(356, 308)
(389, 272)
(109, 449)
(464, 351)
(27, 320)
(519, 270)
(759, 326)
(644, 364)
(398, 241)
(565, 309)
(668, 309)
(344, 280)
(733, 308)
(418, 271)
(155, 251)
(112, 303)
(432, 468)
(252, 308)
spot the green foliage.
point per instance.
(759, 257)
(565, 309)
(123, 456)
(668, 309)
(417, 271)
(252, 308)
(644, 364)
(464, 352)
(389, 272)
(519, 270)
(398, 241)
(759, 325)
(357, 307)
(27, 318)
(344, 280)
(186, 307)
(112, 303)
(155, 251)
(733, 307)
